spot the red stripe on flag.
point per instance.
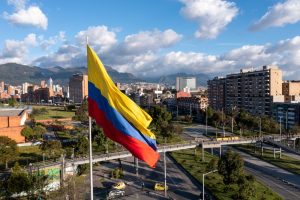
(139, 149)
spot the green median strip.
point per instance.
(213, 182)
(285, 162)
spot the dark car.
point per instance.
(206, 196)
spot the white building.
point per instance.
(185, 82)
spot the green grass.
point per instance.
(213, 182)
(54, 113)
(285, 162)
(30, 154)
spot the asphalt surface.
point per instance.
(181, 186)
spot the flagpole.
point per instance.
(91, 158)
(90, 144)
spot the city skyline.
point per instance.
(137, 41)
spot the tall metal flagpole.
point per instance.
(91, 158)
(90, 145)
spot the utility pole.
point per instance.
(223, 123)
(206, 122)
(260, 127)
(280, 128)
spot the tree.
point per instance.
(81, 113)
(27, 132)
(100, 138)
(52, 149)
(161, 117)
(8, 150)
(18, 181)
(82, 145)
(39, 131)
(245, 190)
(295, 130)
(170, 130)
(12, 102)
(230, 166)
(212, 165)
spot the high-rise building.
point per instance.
(251, 90)
(25, 87)
(291, 91)
(78, 87)
(1, 86)
(216, 93)
(43, 84)
(185, 82)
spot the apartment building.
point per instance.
(291, 91)
(192, 104)
(78, 87)
(216, 93)
(251, 90)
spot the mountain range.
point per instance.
(16, 74)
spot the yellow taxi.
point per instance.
(119, 185)
(160, 187)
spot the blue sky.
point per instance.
(152, 38)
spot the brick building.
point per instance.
(12, 122)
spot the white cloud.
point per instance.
(98, 36)
(51, 41)
(67, 55)
(16, 50)
(279, 15)
(32, 16)
(212, 16)
(150, 40)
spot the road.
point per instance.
(279, 180)
(180, 185)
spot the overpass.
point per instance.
(204, 143)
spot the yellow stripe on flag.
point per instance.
(119, 101)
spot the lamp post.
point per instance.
(280, 128)
(203, 176)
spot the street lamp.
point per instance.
(203, 176)
(280, 128)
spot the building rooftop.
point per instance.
(8, 112)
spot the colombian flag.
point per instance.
(121, 119)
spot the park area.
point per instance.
(51, 112)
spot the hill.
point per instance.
(16, 74)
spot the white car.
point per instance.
(115, 193)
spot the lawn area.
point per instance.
(213, 182)
(53, 113)
(30, 154)
(285, 162)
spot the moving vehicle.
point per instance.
(119, 185)
(115, 193)
(160, 187)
